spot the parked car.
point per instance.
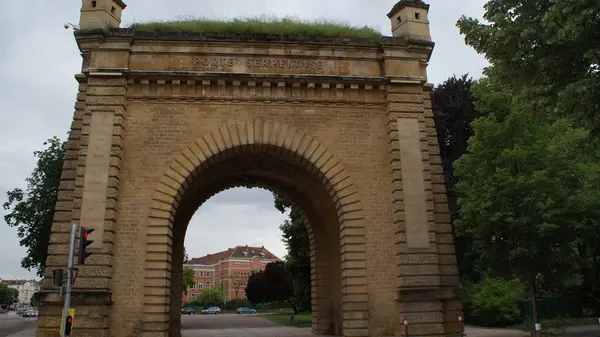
(30, 313)
(188, 311)
(3, 308)
(245, 310)
(211, 311)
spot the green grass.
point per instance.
(302, 320)
(262, 25)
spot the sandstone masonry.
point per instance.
(341, 127)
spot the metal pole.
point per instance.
(462, 326)
(406, 328)
(69, 275)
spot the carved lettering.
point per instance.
(277, 63)
(220, 64)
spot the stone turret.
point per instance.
(409, 19)
(101, 14)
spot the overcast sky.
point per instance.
(37, 91)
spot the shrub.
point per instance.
(494, 302)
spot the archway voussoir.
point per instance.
(249, 126)
(199, 151)
(211, 145)
(227, 139)
(160, 197)
(218, 140)
(288, 143)
(283, 133)
(162, 205)
(242, 133)
(191, 157)
(177, 178)
(257, 130)
(185, 164)
(168, 190)
(234, 134)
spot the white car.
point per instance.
(211, 311)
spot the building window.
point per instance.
(193, 297)
(207, 284)
(207, 274)
(193, 286)
(418, 16)
(200, 285)
(200, 272)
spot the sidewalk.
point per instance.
(472, 331)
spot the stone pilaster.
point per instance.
(427, 274)
(58, 248)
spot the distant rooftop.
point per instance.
(261, 25)
(239, 252)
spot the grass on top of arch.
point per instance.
(262, 25)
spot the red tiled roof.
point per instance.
(237, 252)
(13, 282)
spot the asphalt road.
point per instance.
(224, 321)
(12, 324)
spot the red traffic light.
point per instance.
(69, 319)
(85, 234)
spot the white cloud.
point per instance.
(37, 93)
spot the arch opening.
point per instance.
(312, 180)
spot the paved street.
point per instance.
(232, 325)
(11, 324)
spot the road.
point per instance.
(232, 325)
(11, 324)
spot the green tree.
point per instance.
(32, 211)
(547, 49)
(8, 295)
(211, 296)
(526, 190)
(187, 279)
(273, 284)
(453, 111)
(295, 238)
(547, 53)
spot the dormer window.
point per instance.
(262, 254)
(245, 253)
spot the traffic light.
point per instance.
(67, 325)
(83, 243)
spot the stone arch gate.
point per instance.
(341, 127)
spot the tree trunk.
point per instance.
(294, 307)
(537, 328)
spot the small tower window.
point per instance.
(399, 19)
(418, 16)
(113, 9)
(93, 4)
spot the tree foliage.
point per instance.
(547, 49)
(453, 111)
(211, 296)
(494, 302)
(273, 284)
(297, 260)
(187, 279)
(8, 295)
(545, 70)
(32, 211)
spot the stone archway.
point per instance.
(262, 154)
(257, 102)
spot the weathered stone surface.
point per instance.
(163, 125)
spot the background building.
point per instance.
(26, 289)
(230, 267)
